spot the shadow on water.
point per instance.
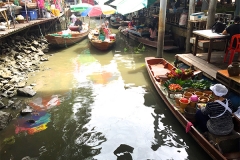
(97, 105)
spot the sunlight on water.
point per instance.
(94, 105)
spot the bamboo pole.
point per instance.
(161, 28)
(26, 10)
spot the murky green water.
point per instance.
(88, 103)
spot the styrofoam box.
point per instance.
(196, 16)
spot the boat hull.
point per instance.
(66, 41)
(103, 46)
(151, 62)
(146, 41)
(118, 24)
(99, 44)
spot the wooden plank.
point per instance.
(231, 82)
(22, 26)
(208, 69)
(234, 78)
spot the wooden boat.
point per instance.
(67, 38)
(115, 24)
(118, 23)
(157, 67)
(102, 45)
(146, 41)
(74, 28)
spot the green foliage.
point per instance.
(201, 84)
(189, 83)
(138, 50)
(125, 49)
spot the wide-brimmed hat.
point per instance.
(219, 90)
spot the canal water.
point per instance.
(93, 105)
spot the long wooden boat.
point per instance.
(118, 23)
(157, 67)
(102, 45)
(115, 24)
(145, 40)
(67, 38)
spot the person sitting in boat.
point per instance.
(106, 23)
(78, 22)
(153, 33)
(131, 24)
(216, 117)
(105, 31)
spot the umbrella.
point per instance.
(98, 10)
(85, 13)
(80, 7)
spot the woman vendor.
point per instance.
(131, 24)
(216, 117)
(105, 30)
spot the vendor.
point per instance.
(106, 23)
(216, 117)
(105, 31)
(131, 24)
(153, 33)
(78, 22)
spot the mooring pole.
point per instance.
(161, 28)
(237, 11)
(211, 14)
(190, 25)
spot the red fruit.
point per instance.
(184, 100)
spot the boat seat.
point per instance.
(225, 144)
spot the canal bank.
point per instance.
(90, 102)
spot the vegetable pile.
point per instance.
(180, 73)
(175, 87)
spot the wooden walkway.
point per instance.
(199, 63)
(21, 26)
(45, 23)
(216, 70)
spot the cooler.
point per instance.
(32, 14)
(112, 37)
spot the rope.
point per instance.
(40, 30)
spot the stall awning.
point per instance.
(127, 6)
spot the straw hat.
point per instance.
(219, 90)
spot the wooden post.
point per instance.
(190, 25)
(211, 14)
(237, 11)
(161, 28)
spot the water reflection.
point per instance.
(96, 103)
